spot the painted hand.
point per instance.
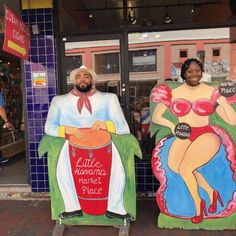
(173, 129)
(221, 100)
(73, 131)
(99, 125)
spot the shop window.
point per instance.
(107, 63)
(143, 60)
(132, 90)
(215, 52)
(73, 62)
(183, 54)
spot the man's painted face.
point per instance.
(83, 81)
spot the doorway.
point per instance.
(13, 164)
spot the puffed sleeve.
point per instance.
(115, 114)
(216, 94)
(161, 93)
(52, 123)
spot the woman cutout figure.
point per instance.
(198, 141)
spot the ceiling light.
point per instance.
(167, 18)
(194, 7)
(131, 16)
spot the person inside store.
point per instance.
(21, 109)
(22, 123)
(6, 124)
(198, 144)
(84, 107)
(20, 112)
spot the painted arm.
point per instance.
(226, 111)
(115, 115)
(115, 120)
(53, 126)
(158, 118)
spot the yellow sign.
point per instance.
(35, 4)
(16, 47)
(39, 79)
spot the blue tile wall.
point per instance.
(42, 58)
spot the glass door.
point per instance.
(143, 76)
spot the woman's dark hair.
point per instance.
(186, 65)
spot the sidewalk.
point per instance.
(28, 214)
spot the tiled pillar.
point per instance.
(42, 59)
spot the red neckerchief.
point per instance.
(83, 99)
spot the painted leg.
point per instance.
(214, 195)
(115, 207)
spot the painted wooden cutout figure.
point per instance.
(91, 156)
(194, 157)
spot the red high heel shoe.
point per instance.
(198, 219)
(216, 196)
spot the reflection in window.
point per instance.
(107, 63)
(73, 62)
(183, 53)
(143, 60)
(216, 52)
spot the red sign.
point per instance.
(17, 35)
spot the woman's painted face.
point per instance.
(193, 74)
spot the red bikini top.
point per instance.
(181, 107)
(202, 107)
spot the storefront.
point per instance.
(130, 55)
(14, 164)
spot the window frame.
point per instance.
(108, 52)
(143, 49)
(215, 58)
(183, 58)
(74, 55)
